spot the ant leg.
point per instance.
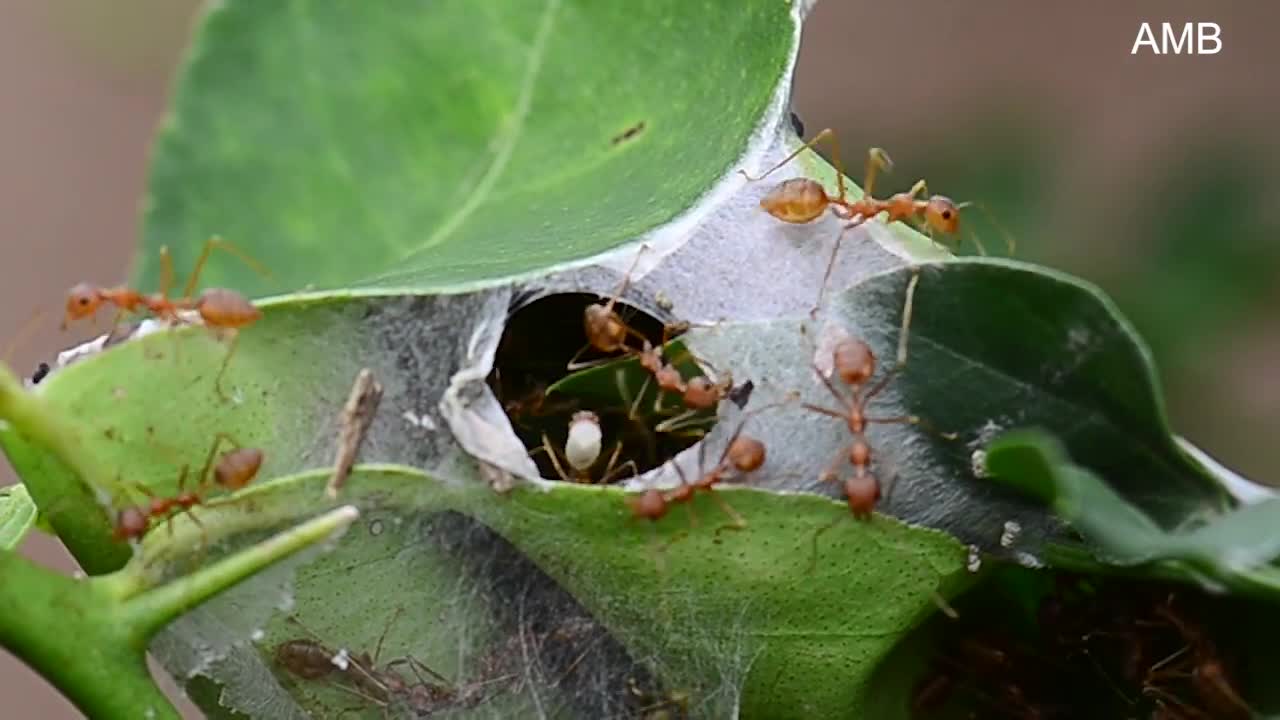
(166, 271)
(213, 450)
(908, 311)
(377, 650)
(877, 161)
(813, 541)
(831, 264)
(737, 521)
(613, 468)
(633, 404)
(678, 422)
(555, 460)
(209, 245)
(226, 361)
(626, 280)
(827, 134)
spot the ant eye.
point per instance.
(946, 214)
(83, 301)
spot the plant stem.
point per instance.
(68, 634)
(68, 499)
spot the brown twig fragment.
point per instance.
(357, 415)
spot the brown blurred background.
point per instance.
(1149, 175)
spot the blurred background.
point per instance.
(1147, 175)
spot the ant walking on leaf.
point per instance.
(221, 309)
(854, 363)
(801, 200)
(234, 470)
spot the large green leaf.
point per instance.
(445, 143)
(740, 604)
(1039, 348)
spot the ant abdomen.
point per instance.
(862, 489)
(225, 308)
(237, 468)
(798, 200)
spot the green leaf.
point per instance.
(993, 345)
(338, 143)
(1230, 551)
(583, 538)
(17, 515)
(430, 561)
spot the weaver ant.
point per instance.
(359, 674)
(742, 455)
(855, 364)
(697, 395)
(606, 331)
(801, 200)
(219, 308)
(234, 470)
(582, 451)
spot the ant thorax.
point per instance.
(582, 447)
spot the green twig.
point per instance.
(71, 505)
(150, 611)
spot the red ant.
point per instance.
(741, 455)
(219, 308)
(802, 200)
(234, 470)
(606, 331)
(855, 363)
(697, 395)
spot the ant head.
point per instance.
(854, 361)
(798, 200)
(863, 491)
(131, 522)
(701, 394)
(746, 453)
(942, 214)
(605, 331)
(83, 300)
